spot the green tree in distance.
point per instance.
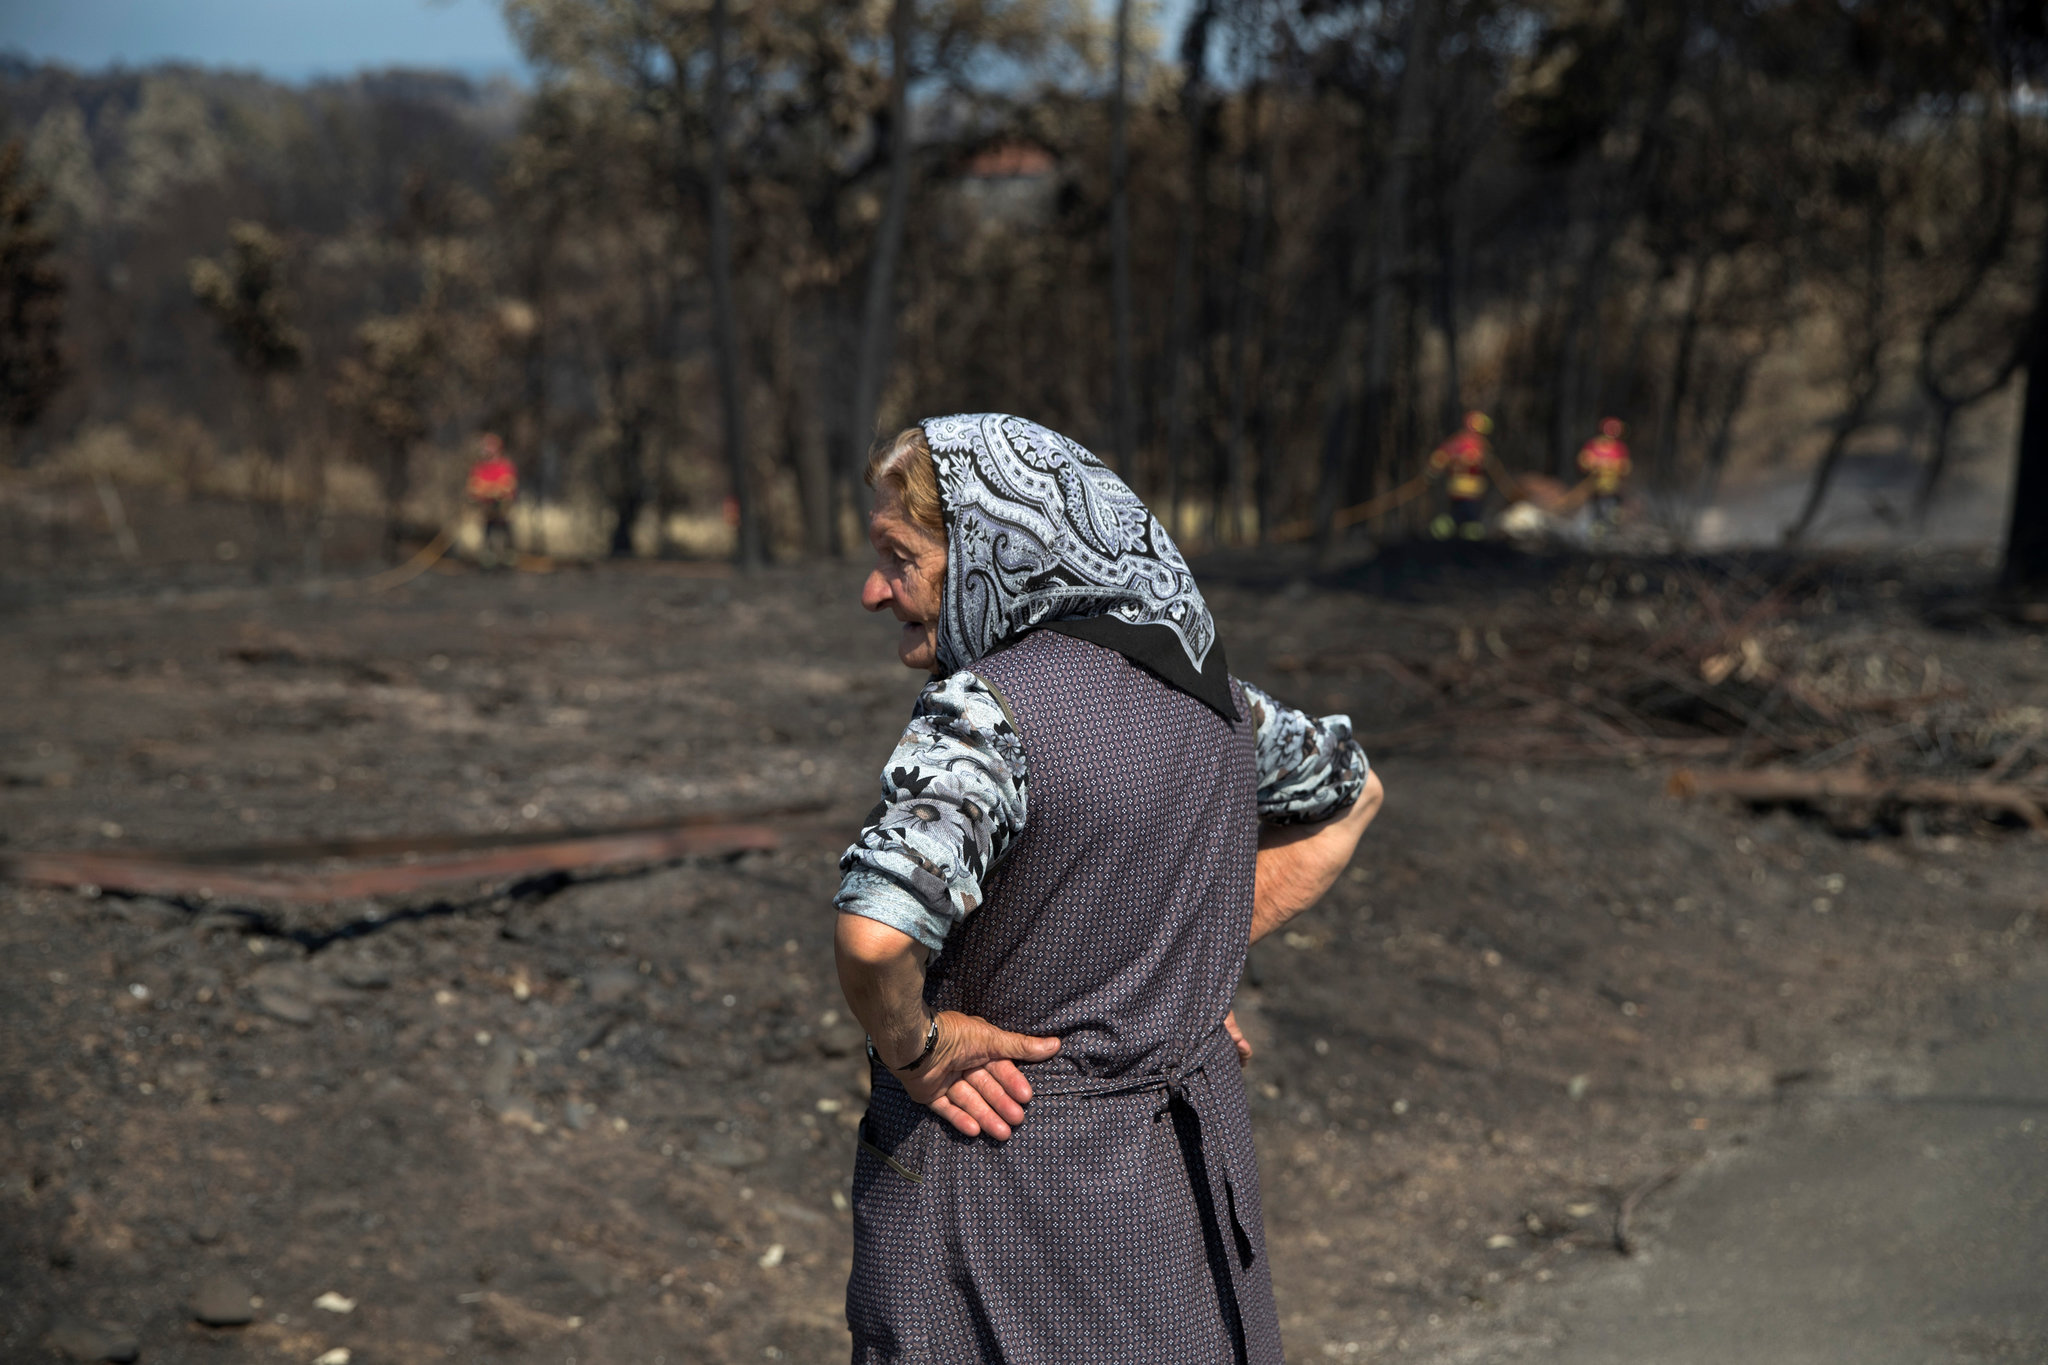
(32, 365)
(244, 293)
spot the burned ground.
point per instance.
(609, 1117)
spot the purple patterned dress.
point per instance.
(1070, 822)
(1121, 1221)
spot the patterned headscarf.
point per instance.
(1041, 534)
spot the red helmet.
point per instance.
(1611, 428)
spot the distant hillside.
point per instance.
(146, 168)
(119, 145)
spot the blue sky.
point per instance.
(289, 39)
(297, 39)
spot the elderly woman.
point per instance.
(1084, 826)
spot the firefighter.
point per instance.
(1463, 458)
(1604, 461)
(493, 483)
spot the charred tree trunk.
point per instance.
(1450, 222)
(725, 324)
(1194, 50)
(629, 499)
(319, 445)
(1616, 193)
(803, 443)
(2025, 572)
(539, 427)
(267, 504)
(1122, 402)
(1716, 459)
(1945, 412)
(397, 483)
(1663, 464)
(1846, 425)
(1567, 373)
(878, 312)
(1249, 293)
(1390, 259)
(1947, 408)
(1863, 378)
(627, 485)
(2000, 182)
(1358, 475)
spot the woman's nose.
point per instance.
(874, 594)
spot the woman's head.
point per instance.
(987, 526)
(904, 463)
(908, 530)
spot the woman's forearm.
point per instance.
(1298, 863)
(881, 972)
(970, 1079)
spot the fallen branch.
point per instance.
(1775, 786)
(1386, 663)
(166, 874)
(417, 846)
(429, 555)
(2006, 761)
(1623, 1242)
(1350, 516)
(117, 516)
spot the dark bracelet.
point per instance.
(931, 1040)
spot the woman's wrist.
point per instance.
(924, 1055)
(920, 1045)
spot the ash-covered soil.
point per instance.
(610, 1117)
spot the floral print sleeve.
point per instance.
(952, 805)
(1309, 770)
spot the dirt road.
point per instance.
(1897, 1217)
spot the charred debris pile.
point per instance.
(1872, 693)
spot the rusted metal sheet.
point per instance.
(253, 872)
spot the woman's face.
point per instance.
(908, 578)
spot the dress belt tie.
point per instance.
(1184, 1081)
(1187, 1082)
(1173, 1077)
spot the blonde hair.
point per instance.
(904, 463)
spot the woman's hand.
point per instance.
(1244, 1044)
(971, 1079)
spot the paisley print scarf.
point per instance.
(1042, 535)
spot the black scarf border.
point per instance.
(1158, 651)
